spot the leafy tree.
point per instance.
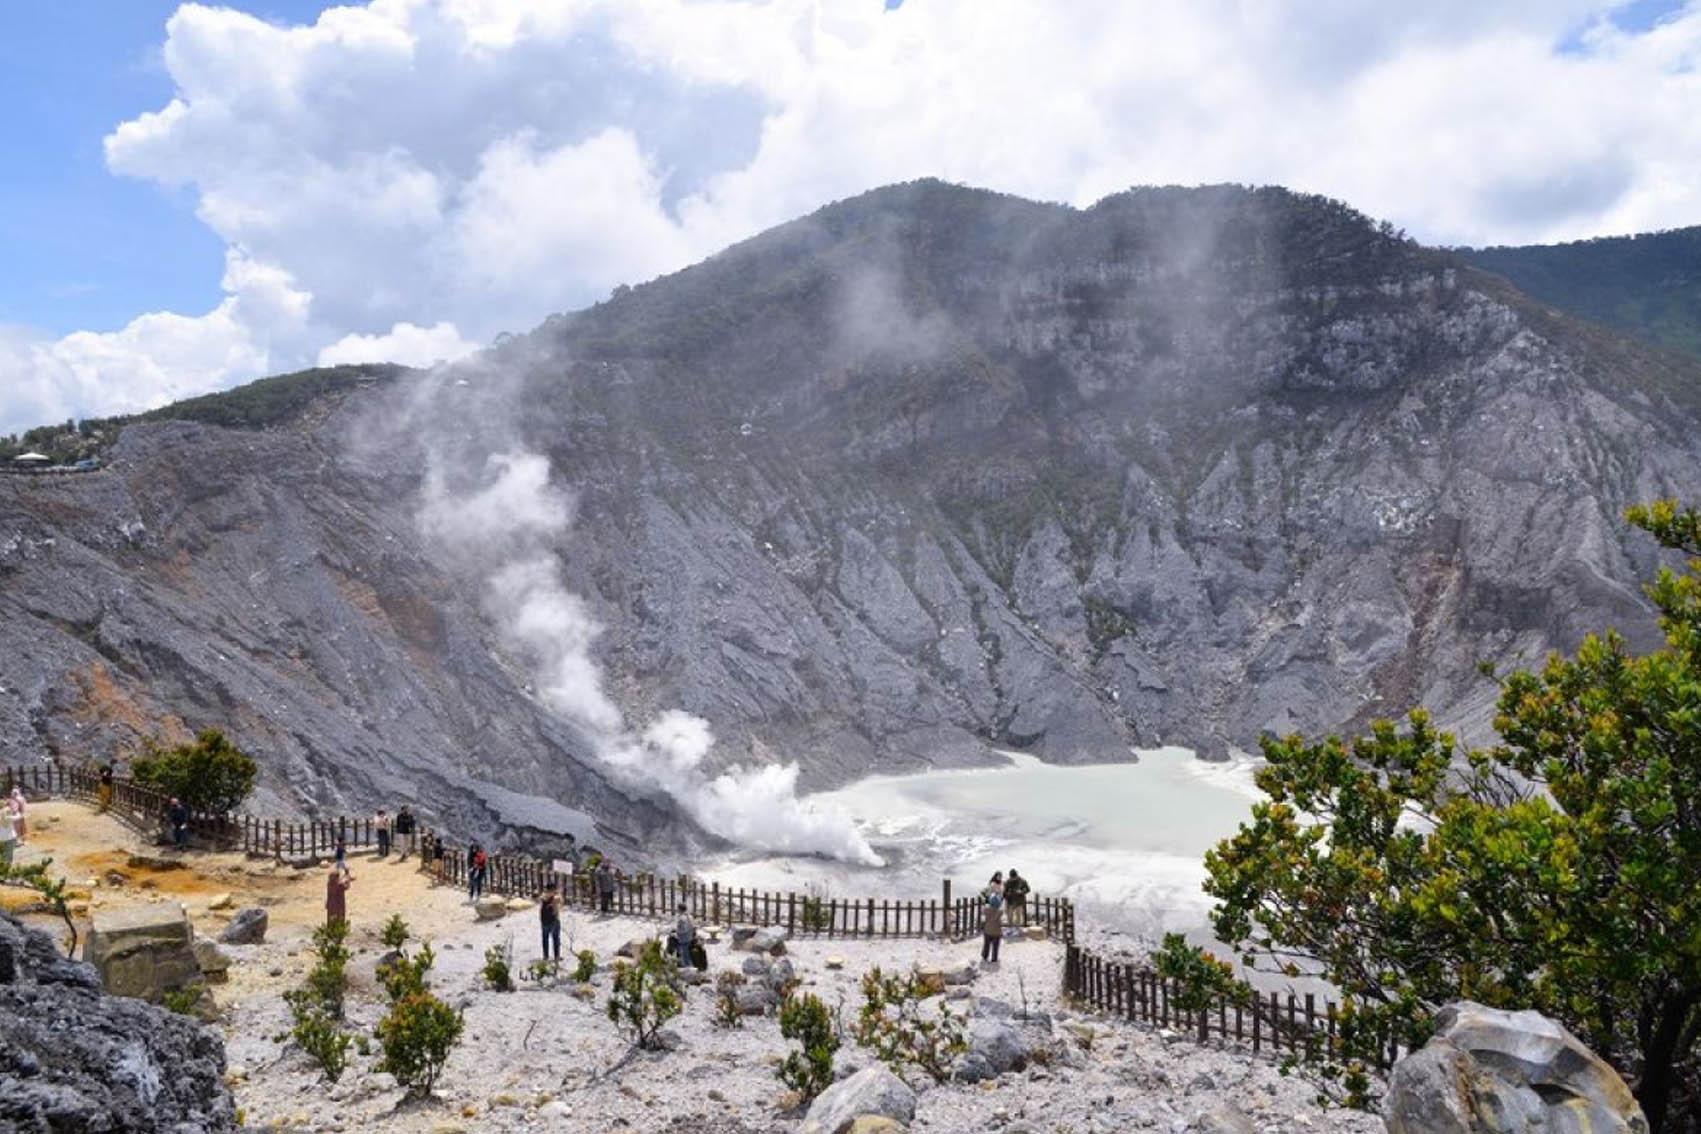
(395, 932)
(1556, 869)
(316, 1008)
(416, 1036)
(211, 774)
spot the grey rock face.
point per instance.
(873, 1090)
(1180, 468)
(72, 1058)
(144, 951)
(1488, 1071)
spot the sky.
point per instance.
(196, 196)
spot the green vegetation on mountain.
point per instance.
(257, 405)
(1559, 874)
(1647, 285)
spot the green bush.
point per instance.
(586, 967)
(499, 967)
(327, 979)
(209, 775)
(183, 1000)
(317, 1032)
(892, 1026)
(417, 1036)
(395, 932)
(1199, 979)
(646, 995)
(405, 975)
(728, 1014)
(809, 1070)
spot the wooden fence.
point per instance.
(638, 895)
(1274, 1023)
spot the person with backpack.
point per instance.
(549, 915)
(381, 830)
(992, 920)
(475, 871)
(404, 831)
(1016, 899)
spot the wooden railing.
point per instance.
(513, 875)
(1267, 1023)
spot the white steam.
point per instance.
(506, 527)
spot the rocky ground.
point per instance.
(546, 1057)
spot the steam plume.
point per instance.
(509, 523)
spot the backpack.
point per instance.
(478, 861)
(994, 898)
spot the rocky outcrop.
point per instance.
(1488, 1071)
(248, 927)
(144, 951)
(73, 1058)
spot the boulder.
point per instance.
(963, 974)
(741, 935)
(221, 902)
(214, 962)
(489, 909)
(519, 905)
(248, 927)
(1488, 1071)
(876, 1124)
(76, 1059)
(780, 974)
(633, 948)
(756, 999)
(143, 951)
(996, 1044)
(874, 1090)
(769, 941)
(757, 967)
(1226, 1118)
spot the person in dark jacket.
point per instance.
(684, 934)
(179, 816)
(404, 832)
(1015, 899)
(605, 885)
(549, 915)
(475, 872)
(381, 830)
(992, 920)
(105, 789)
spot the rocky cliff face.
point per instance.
(73, 1058)
(930, 471)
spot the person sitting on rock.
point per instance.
(179, 816)
(336, 891)
(1016, 899)
(549, 915)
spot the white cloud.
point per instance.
(449, 169)
(405, 343)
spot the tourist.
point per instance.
(475, 872)
(1016, 899)
(549, 914)
(605, 885)
(439, 860)
(179, 816)
(992, 920)
(404, 832)
(336, 890)
(16, 806)
(105, 788)
(339, 855)
(8, 839)
(381, 831)
(684, 933)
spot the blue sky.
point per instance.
(406, 182)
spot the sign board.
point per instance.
(563, 866)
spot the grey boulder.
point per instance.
(248, 927)
(873, 1090)
(1488, 1071)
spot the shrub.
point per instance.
(587, 966)
(181, 1000)
(1200, 979)
(499, 967)
(646, 995)
(395, 932)
(405, 975)
(809, 1070)
(891, 1025)
(52, 891)
(542, 969)
(317, 1033)
(728, 1013)
(209, 775)
(327, 979)
(817, 913)
(417, 1036)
